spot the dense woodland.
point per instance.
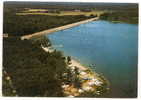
(23, 25)
(33, 71)
(31, 68)
(130, 17)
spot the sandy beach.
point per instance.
(78, 65)
(73, 62)
(91, 80)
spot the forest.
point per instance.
(23, 25)
(32, 71)
(130, 17)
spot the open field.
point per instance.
(60, 13)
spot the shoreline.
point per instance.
(73, 61)
(91, 80)
(49, 31)
(78, 65)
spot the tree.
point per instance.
(77, 82)
(68, 59)
(92, 15)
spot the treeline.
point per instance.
(17, 25)
(33, 71)
(69, 6)
(121, 16)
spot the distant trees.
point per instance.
(28, 24)
(54, 11)
(122, 16)
(104, 16)
(92, 15)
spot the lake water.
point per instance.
(112, 47)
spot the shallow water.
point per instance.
(111, 46)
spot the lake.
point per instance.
(113, 47)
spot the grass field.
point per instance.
(61, 13)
